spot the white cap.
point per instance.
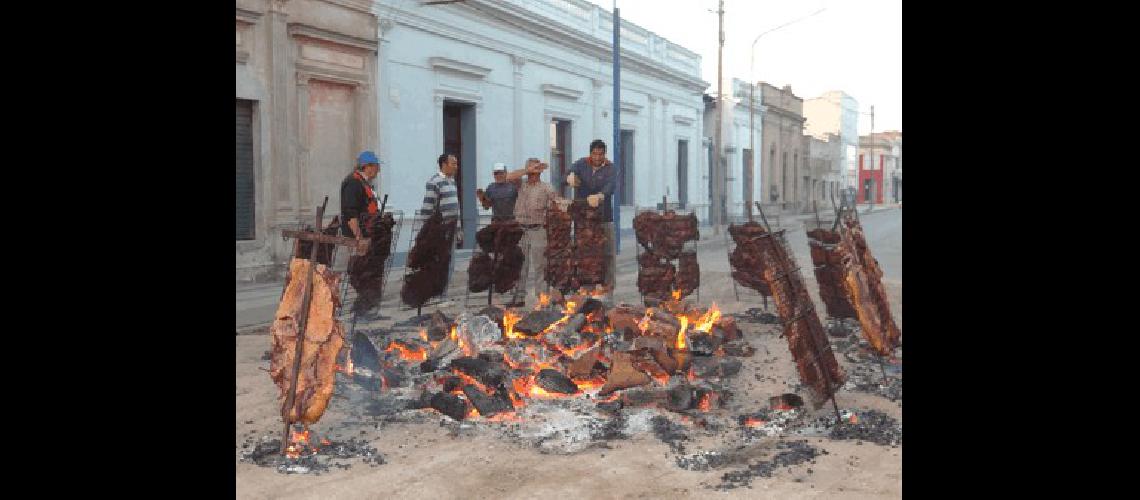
(499, 167)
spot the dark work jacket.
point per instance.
(603, 181)
(503, 196)
(354, 201)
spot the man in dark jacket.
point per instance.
(358, 200)
(595, 178)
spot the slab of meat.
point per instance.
(479, 277)
(665, 233)
(572, 263)
(324, 336)
(663, 236)
(655, 276)
(807, 340)
(747, 267)
(501, 262)
(828, 254)
(366, 272)
(428, 261)
(688, 274)
(867, 292)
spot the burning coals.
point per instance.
(303, 456)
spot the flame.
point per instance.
(662, 379)
(407, 352)
(423, 334)
(510, 319)
(676, 295)
(299, 440)
(753, 422)
(472, 413)
(643, 325)
(571, 306)
(706, 321)
(681, 334)
(454, 334)
(705, 404)
(543, 301)
(589, 384)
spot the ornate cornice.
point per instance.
(247, 16)
(309, 31)
(560, 91)
(460, 67)
(631, 107)
(682, 120)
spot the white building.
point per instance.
(737, 146)
(503, 80)
(837, 113)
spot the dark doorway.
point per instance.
(683, 172)
(560, 155)
(867, 191)
(627, 169)
(245, 197)
(459, 140)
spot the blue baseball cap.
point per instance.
(366, 158)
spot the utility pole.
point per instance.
(717, 216)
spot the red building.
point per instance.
(870, 180)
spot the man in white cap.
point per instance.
(500, 195)
(530, 211)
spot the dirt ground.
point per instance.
(426, 460)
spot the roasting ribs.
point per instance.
(324, 336)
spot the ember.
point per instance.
(407, 351)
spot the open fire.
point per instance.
(573, 347)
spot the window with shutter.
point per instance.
(244, 201)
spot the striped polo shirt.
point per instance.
(441, 188)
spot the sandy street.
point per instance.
(429, 459)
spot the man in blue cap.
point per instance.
(357, 198)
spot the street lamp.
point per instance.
(752, 109)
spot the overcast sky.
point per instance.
(854, 45)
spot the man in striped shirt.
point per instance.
(441, 192)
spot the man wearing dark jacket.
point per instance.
(358, 200)
(595, 178)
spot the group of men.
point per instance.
(508, 197)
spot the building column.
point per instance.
(280, 168)
(383, 150)
(300, 139)
(518, 104)
(653, 163)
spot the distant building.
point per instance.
(880, 168)
(783, 154)
(826, 167)
(837, 113)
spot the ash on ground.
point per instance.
(790, 453)
(267, 453)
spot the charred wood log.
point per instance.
(554, 381)
(450, 405)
